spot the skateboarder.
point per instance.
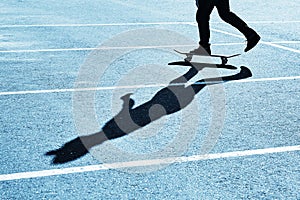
(205, 8)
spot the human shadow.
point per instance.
(168, 100)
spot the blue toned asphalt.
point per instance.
(259, 115)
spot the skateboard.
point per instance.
(189, 56)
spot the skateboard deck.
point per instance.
(224, 58)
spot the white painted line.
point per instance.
(285, 42)
(92, 49)
(80, 89)
(145, 163)
(267, 79)
(138, 86)
(227, 33)
(262, 42)
(228, 44)
(281, 47)
(47, 50)
(274, 22)
(150, 47)
(95, 25)
(265, 22)
(133, 24)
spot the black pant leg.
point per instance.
(231, 18)
(205, 8)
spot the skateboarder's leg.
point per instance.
(205, 8)
(231, 18)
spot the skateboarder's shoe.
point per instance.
(202, 50)
(252, 41)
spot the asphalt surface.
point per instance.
(47, 50)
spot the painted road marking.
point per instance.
(274, 44)
(95, 48)
(139, 86)
(144, 163)
(134, 24)
(94, 25)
